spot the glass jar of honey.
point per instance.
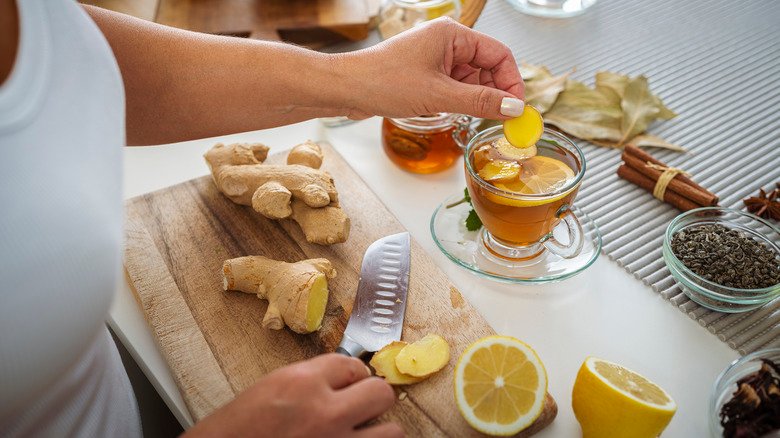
(426, 144)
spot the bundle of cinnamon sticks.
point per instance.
(642, 169)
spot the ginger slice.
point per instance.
(509, 152)
(384, 365)
(499, 170)
(424, 357)
(297, 293)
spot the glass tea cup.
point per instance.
(520, 227)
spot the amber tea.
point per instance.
(422, 144)
(521, 195)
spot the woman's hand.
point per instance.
(440, 66)
(328, 396)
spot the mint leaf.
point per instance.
(473, 223)
(466, 196)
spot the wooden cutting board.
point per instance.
(176, 241)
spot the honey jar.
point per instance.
(426, 144)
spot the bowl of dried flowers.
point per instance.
(745, 400)
(724, 259)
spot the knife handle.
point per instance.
(348, 347)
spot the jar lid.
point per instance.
(428, 123)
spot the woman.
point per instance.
(79, 83)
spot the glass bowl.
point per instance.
(710, 294)
(726, 383)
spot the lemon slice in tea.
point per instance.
(526, 130)
(612, 401)
(500, 385)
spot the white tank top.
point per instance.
(62, 121)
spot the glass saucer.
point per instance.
(467, 249)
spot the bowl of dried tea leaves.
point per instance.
(724, 259)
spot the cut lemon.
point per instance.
(538, 175)
(500, 385)
(612, 401)
(526, 130)
(541, 175)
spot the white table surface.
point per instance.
(602, 312)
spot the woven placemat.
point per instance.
(714, 62)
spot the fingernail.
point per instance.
(511, 107)
(368, 370)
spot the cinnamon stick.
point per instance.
(677, 185)
(631, 150)
(630, 174)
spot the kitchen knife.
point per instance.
(377, 317)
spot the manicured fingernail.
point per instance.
(511, 107)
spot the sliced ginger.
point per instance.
(424, 357)
(384, 365)
(403, 364)
(509, 152)
(297, 293)
(526, 130)
(499, 170)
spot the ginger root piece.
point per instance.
(307, 154)
(297, 293)
(384, 365)
(424, 357)
(305, 194)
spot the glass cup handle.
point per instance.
(463, 131)
(576, 235)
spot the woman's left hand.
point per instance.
(440, 66)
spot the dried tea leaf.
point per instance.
(586, 113)
(542, 93)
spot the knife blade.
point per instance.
(380, 301)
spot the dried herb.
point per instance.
(542, 88)
(766, 205)
(726, 257)
(616, 112)
(754, 409)
(473, 222)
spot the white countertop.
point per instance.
(602, 312)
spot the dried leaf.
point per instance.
(542, 93)
(531, 72)
(611, 85)
(585, 113)
(647, 140)
(639, 109)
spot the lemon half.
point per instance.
(500, 385)
(610, 400)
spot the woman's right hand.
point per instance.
(328, 396)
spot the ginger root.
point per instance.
(424, 357)
(299, 191)
(403, 364)
(297, 293)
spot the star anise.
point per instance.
(766, 205)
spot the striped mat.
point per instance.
(714, 62)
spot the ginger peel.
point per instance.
(298, 191)
(297, 293)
